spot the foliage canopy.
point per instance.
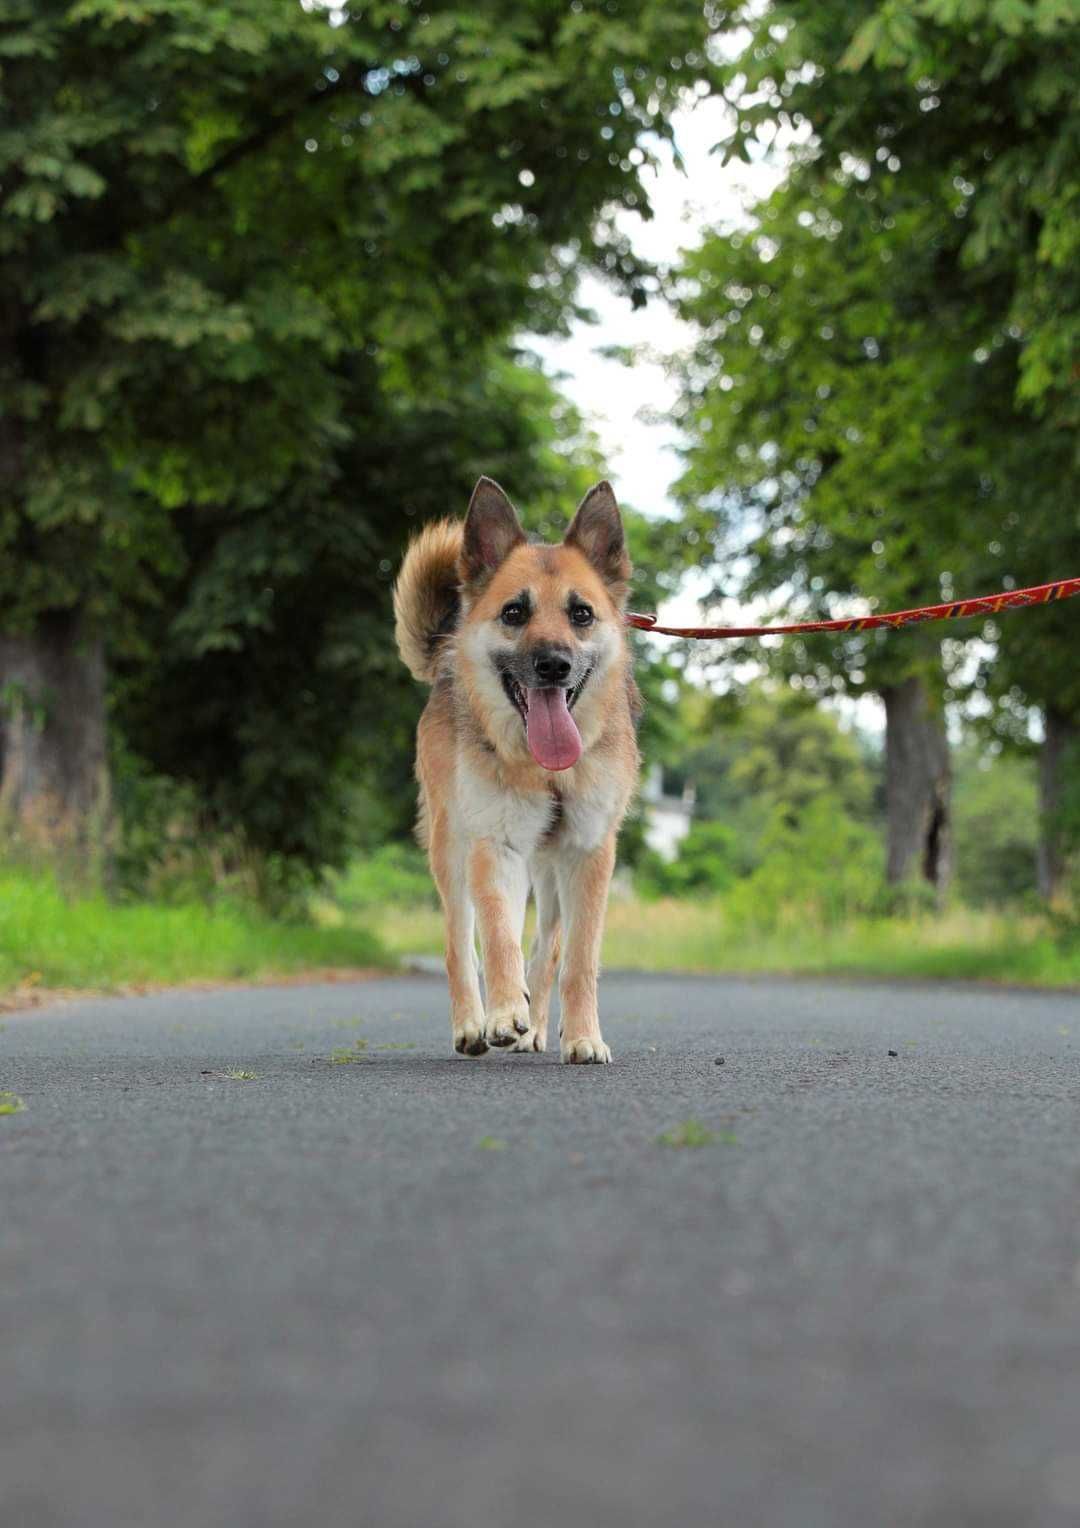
(263, 269)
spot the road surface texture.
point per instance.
(416, 1291)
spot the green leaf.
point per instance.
(34, 201)
(83, 181)
(863, 43)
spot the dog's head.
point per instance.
(542, 637)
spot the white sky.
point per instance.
(640, 460)
(640, 457)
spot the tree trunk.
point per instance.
(918, 787)
(1062, 738)
(53, 767)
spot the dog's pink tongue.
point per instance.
(554, 741)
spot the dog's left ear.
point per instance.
(597, 531)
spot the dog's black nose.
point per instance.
(551, 667)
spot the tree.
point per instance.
(821, 463)
(262, 267)
(998, 111)
(931, 225)
(1034, 662)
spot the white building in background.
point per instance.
(667, 818)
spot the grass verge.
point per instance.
(51, 940)
(959, 944)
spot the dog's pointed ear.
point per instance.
(597, 531)
(492, 531)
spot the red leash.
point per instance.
(989, 604)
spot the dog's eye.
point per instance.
(581, 615)
(513, 614)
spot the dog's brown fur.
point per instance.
(494, 820)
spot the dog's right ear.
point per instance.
(492, 531)
(597, 531)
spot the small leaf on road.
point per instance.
(693, 1133)
(343, 1055)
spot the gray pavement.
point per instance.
(425, 1292)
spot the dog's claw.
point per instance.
(470, 1040)
(586, 1052)
(529, 1043)
(506, 1023)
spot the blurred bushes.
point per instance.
(166, 848)
(788, 827)
(827, 867)
(393, 875)
(996, 820)
(708, 863)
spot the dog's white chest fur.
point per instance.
(515, 819)
(588, 816)
(526, 821)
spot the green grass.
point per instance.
(51, 940)
(402, 930)
(670, 935)
(957, 944)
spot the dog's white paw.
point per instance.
(530, 1041)
(507, 1023)
(583, 1052)
(469, 1038)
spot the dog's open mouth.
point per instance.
(550, 731)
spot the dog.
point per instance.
(526, 757)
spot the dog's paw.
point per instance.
(507, 1023)
(584, 1052)
(469, 1038)
(531, 1041)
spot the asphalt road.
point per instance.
(417, 1291)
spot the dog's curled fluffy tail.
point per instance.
(427, 596)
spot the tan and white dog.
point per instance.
(526, 756)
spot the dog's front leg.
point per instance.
(499, 885)
(448, 864)
(544, 960)
(584, 879)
